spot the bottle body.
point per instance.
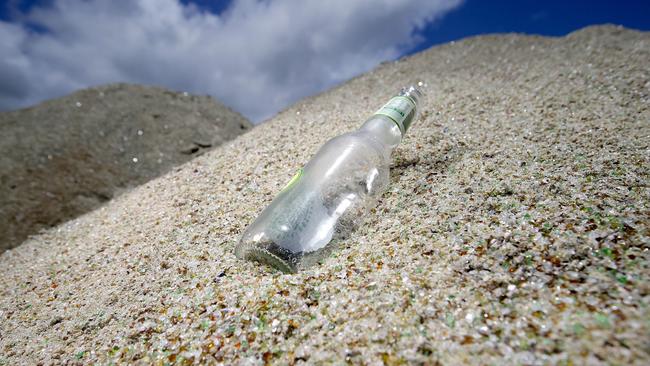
(326, 200)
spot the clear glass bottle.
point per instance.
(327, 199)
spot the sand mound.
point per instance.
(66, 156)
(515, 230)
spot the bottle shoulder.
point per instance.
(360, 141)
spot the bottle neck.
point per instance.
(389, 124)
(402, 109)
(384, 130)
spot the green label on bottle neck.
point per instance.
(398, 109)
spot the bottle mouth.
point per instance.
(413, 93)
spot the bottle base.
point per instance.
(270, 254)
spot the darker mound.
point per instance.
(66, 156)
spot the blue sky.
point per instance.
(549, 18)
(257, 57)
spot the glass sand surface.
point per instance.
(328, 199)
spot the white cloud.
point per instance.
(256, 56)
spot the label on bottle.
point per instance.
(397, 109)
(296, 177)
